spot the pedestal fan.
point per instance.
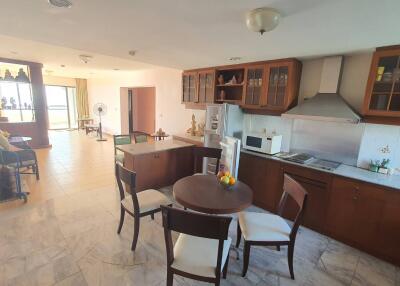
(100, 109)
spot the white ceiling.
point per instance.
(191, 33)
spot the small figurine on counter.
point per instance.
(192, 130)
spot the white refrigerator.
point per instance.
(223, 129)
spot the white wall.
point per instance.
(57, 80)
(171, 115)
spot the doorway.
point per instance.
(61, 107)
(142, 109)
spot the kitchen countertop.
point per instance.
(152, 147)
(391, 181)
(188, 137)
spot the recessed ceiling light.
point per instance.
(235, 58)
(116, 69)
(61, 3)
(132, 53)
(63, 66)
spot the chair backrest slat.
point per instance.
(205, 152)
(202, 225)
(296, 191)
(140, 137)
(127, 177)
(122, 139)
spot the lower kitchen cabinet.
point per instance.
(317, 184)
(366, 216)
(263, 177)
(363, 215)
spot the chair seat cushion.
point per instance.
(119, 157)
(198, 255)
(263, 227)
(148, 200)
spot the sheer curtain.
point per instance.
(82, 102)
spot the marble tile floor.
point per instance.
(66, 235)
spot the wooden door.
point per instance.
(254, 85)
(144, 109)
(383, 89)
(370, 202)
(342, 208)
(389, 229)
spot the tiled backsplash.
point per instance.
(375, 142)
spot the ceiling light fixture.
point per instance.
(61, 3)
(85, 58)
(132, 53)
(262, 20)
(63, 66)
(235, 59)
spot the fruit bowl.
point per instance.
(226, 180)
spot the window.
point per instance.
(16, 101)
(61, 107)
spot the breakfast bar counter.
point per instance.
(158, 164)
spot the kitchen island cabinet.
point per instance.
(361, 214)
(158, 164)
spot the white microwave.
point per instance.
(262, 143)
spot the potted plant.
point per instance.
(374, 166)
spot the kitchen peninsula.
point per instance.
(158, 164)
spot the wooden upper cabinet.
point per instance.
(382, 98)
(206, 85)
(189, 87)
(282, 85)
(269, 87)
(255, 83)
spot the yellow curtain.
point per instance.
(82, 100)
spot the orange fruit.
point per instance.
(232, 181)
(227, 174)
(220, 174)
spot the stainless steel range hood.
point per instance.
(327, 104)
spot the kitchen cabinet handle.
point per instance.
(355, 198)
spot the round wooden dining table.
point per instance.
(204, 193)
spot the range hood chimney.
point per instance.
(327, 104)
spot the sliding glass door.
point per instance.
(61, 107)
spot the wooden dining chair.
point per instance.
(140, 137)
(201, 251)
(138, 205)
(118, 141)
(199, 153)
(272, 230)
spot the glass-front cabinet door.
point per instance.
(383, 91)
(254, 85)
(206, 86)
(277, 85)
(189, 87)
